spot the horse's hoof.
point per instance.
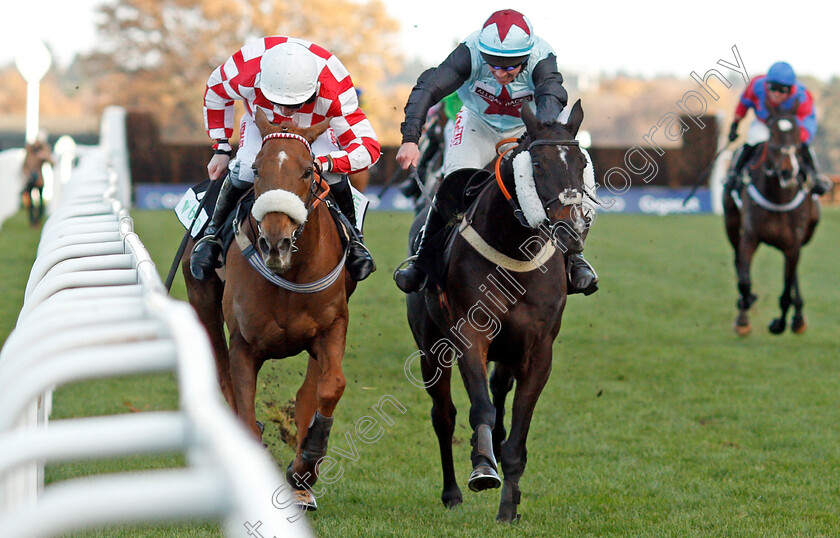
(777, 326)
(451, 499)
(799, 324)
(742, 330)
(484, 477)
(304, 500)
(507, 513)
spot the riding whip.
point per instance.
(705, 172)
(207, 194)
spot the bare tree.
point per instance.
(156, 55)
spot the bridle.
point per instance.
(771, 165)
(570, 198)
(314, 198)
(318, 186)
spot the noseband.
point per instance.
(568, 198)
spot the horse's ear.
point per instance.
(529, 118)
(313, 132)
(575, 118)
(262, 122)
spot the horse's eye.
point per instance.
(307, 173)
(254, 169)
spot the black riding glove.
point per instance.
(733, 131)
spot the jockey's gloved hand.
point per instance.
(733, 131)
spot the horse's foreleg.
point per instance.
(799, 323)
(244, 367)
(306, 399)
(777, 326)
(514, 454)
(437, 379)
(732, 221)
(748, 246)
(501, 383)
(473, 366)
(327, 353)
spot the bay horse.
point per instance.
(291, 236)
(503, 303)
(774, 207)
(38, 154)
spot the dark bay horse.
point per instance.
(774, 207)
(502, 301)
(291, 236)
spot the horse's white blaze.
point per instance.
(280, 201)
(526, 190)
(785, 125)
(281, 158)
(563, 155)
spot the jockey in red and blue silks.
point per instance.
(779, 88)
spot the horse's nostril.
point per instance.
(285, 245)
(262, 245)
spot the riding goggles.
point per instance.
(779, 88)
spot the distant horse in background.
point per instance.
(774, 207)
(493, 305)
(38, 154)
(290, 237)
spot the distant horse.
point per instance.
(774, 207)
(502, 300)
(289, 237)
(32, 196)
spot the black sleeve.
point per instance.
(549, 93)
(432, 86)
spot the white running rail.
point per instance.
(95, 307)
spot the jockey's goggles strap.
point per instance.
(293, 136)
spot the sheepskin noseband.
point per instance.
(280, 201)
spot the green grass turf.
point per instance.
(657, 420)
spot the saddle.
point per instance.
(456, 202)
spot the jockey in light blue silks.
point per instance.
(778, 88)
(495, 71)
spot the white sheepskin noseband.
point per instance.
(588, 172)
(280, 201)
(526, 190)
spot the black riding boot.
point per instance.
(412, 278)
(582, 277)
(821, 184)
(733, 179)
(360, 262)
(206, 256)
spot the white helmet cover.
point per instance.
(288, 73)
(506, 33)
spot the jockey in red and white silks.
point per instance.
(350, 145)
(289, 80)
